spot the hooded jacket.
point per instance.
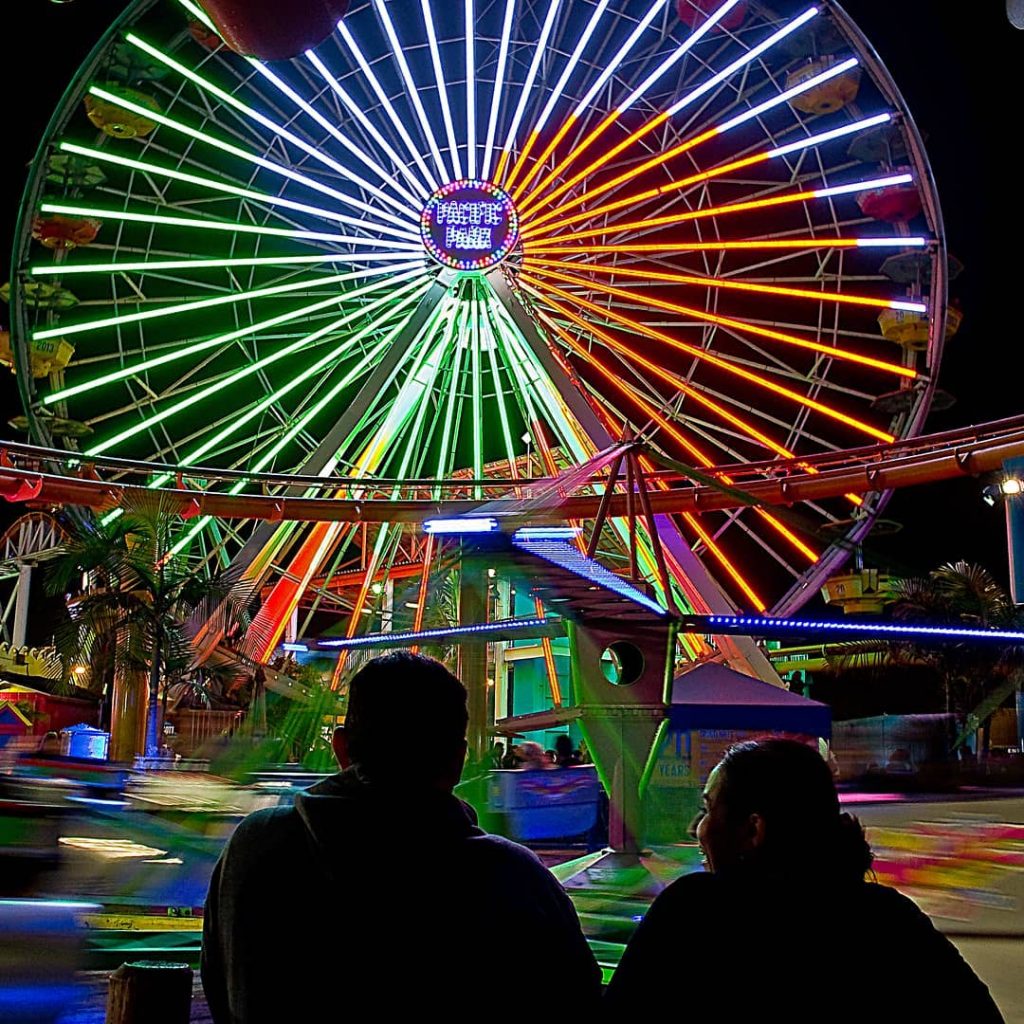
(387, 900)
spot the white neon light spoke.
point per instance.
(499, 86)
(360, 154)
(470, 90)
(270, 165)
(677, 55)
(267, 122)
(442, 87)
(752, 54)
(613, 65)
(538, 55)
(357, 112)
(223, 186)
(387, 105)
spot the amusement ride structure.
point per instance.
(460, 262)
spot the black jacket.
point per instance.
(756, 947)
(384, 900)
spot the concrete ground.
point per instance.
(1000, 964)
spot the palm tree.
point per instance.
(137, 603)
(976, 676)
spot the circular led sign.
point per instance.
(469, 225)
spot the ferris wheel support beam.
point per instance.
(701, 588)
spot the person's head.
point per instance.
(563, 745)
(773, 803)
(421, 690)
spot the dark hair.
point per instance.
(404, 684)
(563, 745)
(791, 787)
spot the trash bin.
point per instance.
(85, 741)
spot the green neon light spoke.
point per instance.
(491, 345)
(290, 434)
(191, 348)
(223, 186)
(478, 411)
(324, 361)
(278, 129)
(449, 412)
(242, 154)
(197, 304)
(241, 374)
(153, 266)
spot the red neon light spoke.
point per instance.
(737, 371)
(739, 325)
(727, 284)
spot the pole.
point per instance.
(21, 605)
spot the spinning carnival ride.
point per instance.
(465, 243)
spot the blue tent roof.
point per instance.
(715, 697)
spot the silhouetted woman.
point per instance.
(783, 926)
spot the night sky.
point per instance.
(959, 67)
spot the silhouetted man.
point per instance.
(373, 892)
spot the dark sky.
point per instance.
(953, 62)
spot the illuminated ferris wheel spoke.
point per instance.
(353, 107)
(389, 178)
(411, 89)
(540, 198)
(377, 216)
(673, 380)
(583, 106)
(684, 147)
(442, 88)
(413, 292)
(745, 286)
(526, 90)
(738, 325)
(243, 193)
(722, 210)
(279, 130)
(305, 285)
(499, 88)
(721, 363)
(250, 369)
(396, 121)
(180, 352)
(556, 94)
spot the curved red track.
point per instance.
(28, 473)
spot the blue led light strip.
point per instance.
(755, 625)
(568, 556)
(449, 632)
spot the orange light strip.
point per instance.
(655, 415)
(740, 325)
(585, 143)
(722, 364)
(660, 190)
(670, 247)
(538, 164)
(722, 558)
(421, 599)
(500, 169)
(731, 285)
(670, 379)
(625, 176)
(518, 165)
(751, 204)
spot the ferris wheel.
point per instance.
(484, 239)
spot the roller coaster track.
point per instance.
(55, 477)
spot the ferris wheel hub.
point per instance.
(469, 224)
